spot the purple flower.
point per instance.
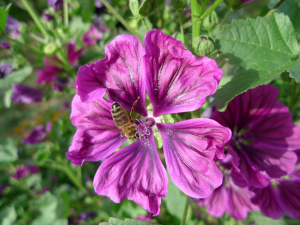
(5, 45)
(60, 83)
(25, 94)
(22, 172)
(87, 215)
(93, 36)
(49, 74)
(38, 133)
(73, 55)
(56, 4)
(176, 81)
(98, 4)
(247, 1)
(44, 190)
(48, 17)
(263, 136)
(33, 169)
(5, 69)
(145, 218)
(12, 24)
(228, 198)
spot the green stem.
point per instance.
(37, 38)
(293, 95)
(73, 178)
(274, 9)
(185, 210)
(226, 16)
(203, 6)
(34, 16)
(144, 23)
(32, 48)
(181, 27)
(196, 23)
(121, 19)
(66, 14)
(64, 61)
(211, 8)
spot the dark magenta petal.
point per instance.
(238, 179)
(92, 36)
(176, 81)
(73, 55)
(267, 200)
(26, 94)
(38, 133)
(189, 148)
(216, 203)
(289, 197)
(97, 135)
(119, 73)
(135, 173)
(239, 203)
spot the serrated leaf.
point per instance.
(3, 17)
(115, 221)
(262, 47)
(291, 8)
(8, 151)
(16, 77)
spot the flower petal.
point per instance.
(267, 200)
(216, 203)
(135, 173)
(119, 72)
(189, 148)
(176, 81)
(289, 197)
(97, 135)
(239, 203)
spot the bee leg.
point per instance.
(122, 136)
(133, 106)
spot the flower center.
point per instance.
(240, 138)
(144, 126)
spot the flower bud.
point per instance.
(210, 21)
(180, 4)
(147, 7)
(203, 45)
(50, 48)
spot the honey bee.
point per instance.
(124, 121)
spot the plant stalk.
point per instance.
(196, 23)
(66, 14)
(35, 17)
(210, 9)
(185, 210)
(181, 27)
(144, 23)
(274, 9)
(121, 19)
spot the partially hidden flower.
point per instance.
(38, 133)
(48, 17)
(92, 36)
(263, 137)
(145, 218)
(87, 215)
(228, 198)
(26, 94)
(13, 26)
(21, 172)
(5, 69)
(176, 81)
(56, 4)
(5, 45)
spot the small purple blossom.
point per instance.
(38, 133)
(5, 45)
(176, 81)
(5, 69)
(92, 36)
(25, 94)
(247, 1)
(87, 215)
(98, 4)
(48, 17)
(145, 218)
(12, 24)
(263, 136)
(56, 4)
(22, 172)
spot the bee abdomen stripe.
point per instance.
(118, 115)
(116, 110)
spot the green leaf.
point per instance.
(41, 155)
(3, 17)
(295, 71)
(261, 47)
(34, 179)
(7, 98)
(114, 221)
(8, 216)
(174, 200)
(87, 9)
(8, 151)
(16, 77)
(147, 7)
(134, 7)
(292, 8)
(259, 219)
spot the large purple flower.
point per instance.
(25, 94)
(176, 81)
(262, 136)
